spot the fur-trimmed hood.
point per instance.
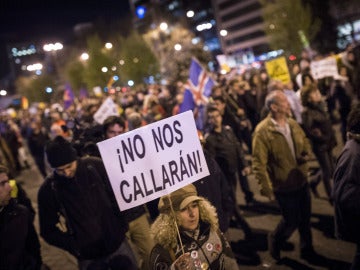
(164, 228)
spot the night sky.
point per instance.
(29, 20)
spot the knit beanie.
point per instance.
(60, 152)
(179, 199)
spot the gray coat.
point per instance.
(346, 193)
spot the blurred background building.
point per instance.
(198, 16)
(232, 30)
(347, 17)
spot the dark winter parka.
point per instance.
(80, 215)
(346, 192)
(19, 244)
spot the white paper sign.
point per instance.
(154, 160)
(324, 68)
(108, 108)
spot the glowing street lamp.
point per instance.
(53, 47)
(108, 45)
(52, 50)
(190, 14)
(177, 47)
(48, 90)
(84, 56)
(163, 26)
(34, 67)
(223, 33)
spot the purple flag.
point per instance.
(83, 94)
(68, 96)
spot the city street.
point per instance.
(71, 71)
(262, 217)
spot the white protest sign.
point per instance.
(324, 68)
(154, 160)
(108, 108)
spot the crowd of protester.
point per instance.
(239, 111)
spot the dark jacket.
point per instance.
(36, 143)
(19, 243)
(315, 117)
(216, 189)
(80, 215)
(231, 119)
(226, 149)
(346, 193)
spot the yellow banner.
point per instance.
(278, 69)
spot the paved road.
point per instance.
(263, 217)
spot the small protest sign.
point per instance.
(154, 160)
(108, 108)
(324, 68)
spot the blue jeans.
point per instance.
(122, 257)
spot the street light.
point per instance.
(177, 47)
(108, 45)
(48, 90)
(223, 33)
(53, 47)
(84, 56)
(190, 14)
(163, 26)
(34, 67)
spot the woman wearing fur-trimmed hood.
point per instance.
(201, 245)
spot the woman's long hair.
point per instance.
(164, 229)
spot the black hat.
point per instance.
(60, 152)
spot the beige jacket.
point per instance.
(275, 168)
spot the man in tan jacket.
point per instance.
(280, 154)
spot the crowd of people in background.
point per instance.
(249, 128)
